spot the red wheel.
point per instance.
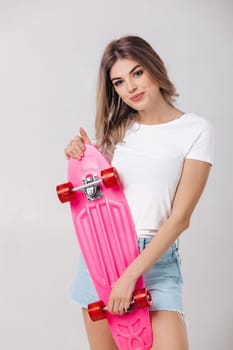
(96, 311)
(110, 177)
(65, 193)
(142, 298)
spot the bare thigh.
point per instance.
(169, 331)
(99, 335)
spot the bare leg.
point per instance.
(99, 335)
(169, 331)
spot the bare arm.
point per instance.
(192, 183)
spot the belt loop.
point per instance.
(144, 243)
(177, 244)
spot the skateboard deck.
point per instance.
(106, 235)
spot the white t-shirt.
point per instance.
(150, 162)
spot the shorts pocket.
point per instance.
(177, 260)
(166, 269)
(166, 258)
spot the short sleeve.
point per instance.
(203, 146)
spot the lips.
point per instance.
(137, 97)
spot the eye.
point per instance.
(118, 82)
(138, 73)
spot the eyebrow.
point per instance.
(132, 70)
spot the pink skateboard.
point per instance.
(108, 241)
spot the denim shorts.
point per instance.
(163, 279)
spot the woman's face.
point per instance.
(133, 83)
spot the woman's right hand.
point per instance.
(76, 147)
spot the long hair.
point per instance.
(113, 116)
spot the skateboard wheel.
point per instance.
(110, 177)
(142, 298)
(65, 193)
(96, 311)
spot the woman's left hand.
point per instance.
(121, 294)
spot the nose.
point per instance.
(131, 86)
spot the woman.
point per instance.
(163, 156)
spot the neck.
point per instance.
(160, 112)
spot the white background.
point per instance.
(49, 57)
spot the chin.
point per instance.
(140, 107)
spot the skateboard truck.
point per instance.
(90, 186)
(141, 298)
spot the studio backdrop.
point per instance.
(49, 57)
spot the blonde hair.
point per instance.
(113, 116)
